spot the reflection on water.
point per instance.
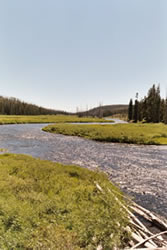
(116, 120)
(140, 170)
(111, 121)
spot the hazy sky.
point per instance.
(67, 53)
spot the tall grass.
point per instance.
(19, 119)
(124, 133)
(45, 205)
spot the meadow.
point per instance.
(46, 205)
(21, 119)
(148, 134)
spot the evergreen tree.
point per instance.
(130, 110)
(152, 105)
(13, 106)
(157, 105)
(165, 112)
(140, 114)
(136, 111)
(151, 108)
(162, 110)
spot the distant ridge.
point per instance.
(106, 110)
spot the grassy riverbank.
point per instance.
(124, 133)
(21, 119)
(45, 205)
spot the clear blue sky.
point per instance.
(62, 54)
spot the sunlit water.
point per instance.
(141, 171)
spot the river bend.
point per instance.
(141, 171)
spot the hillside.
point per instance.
(14, 106)
(107, 110)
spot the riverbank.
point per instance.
(21, 119)
(146, 134)
(49, 205)
(140, 170)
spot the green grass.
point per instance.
(124, 133)
(19, 119)
(45, 205)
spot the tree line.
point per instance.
(13, 106)
(151, 108)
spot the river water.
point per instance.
(141, 171)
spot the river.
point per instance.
(141, 171)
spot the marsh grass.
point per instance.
(123, 133)
(45, 205)
(21, 119)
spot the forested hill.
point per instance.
(14, 106)
(106, 110)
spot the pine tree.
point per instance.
(162, 110)
(157, 105)
(13, 106)
(152, 108)
(130, 110)
(136, 111)
(153, 103)
(165, 112)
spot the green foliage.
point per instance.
(13, 106)
(136, 111)
(19, 119)
(130, 110)
(152, 108)
(45, 205)
(124, 133)
(164, 111)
